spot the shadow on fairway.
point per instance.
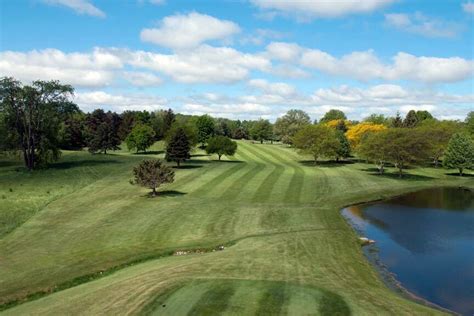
(185, 167)
(333, 304)
(9, 163)
(81, 163)
(171, 193)
(326, 163)
(200, 155)
(394, 175)
(152, 152)
(227, 161)
(456, 174)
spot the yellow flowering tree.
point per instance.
(356, 132)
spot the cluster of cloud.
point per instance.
(188, 31)
(320, 8)
(80, 6)
(418, 23)
(270, 102)
(209, 64)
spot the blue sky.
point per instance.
(248, 59)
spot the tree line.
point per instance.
(40, 120)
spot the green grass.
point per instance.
(289, 249)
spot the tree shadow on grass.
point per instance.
(164, 193)
(9, 163)
(200, 155)
(151, 152)
(326, 163)
(81, 163)
(456, 174)
(333, 304)
(395, 175)
(227, 161)
(185, 167)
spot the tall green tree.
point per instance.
(286, 126)
(402, 146)
(332, 115)
(221, 145)
(397, 121)
(261, 130)
(102, 131)
(72, 132)
(206, 128)
(411, 119)
(344, 148)
(178, 145)
(470, 123)
(140, 138)
(439, 134)
(372, 148)
(152, 174)
(460, 153)
(32, 116)
(377, 119)
(317, 141)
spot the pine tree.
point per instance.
(344, 149)
(460, 153)
(411, 120)
(151, 174)
(178, 146)
(397, 121)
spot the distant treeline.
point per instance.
(39, 120)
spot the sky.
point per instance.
(247, 59)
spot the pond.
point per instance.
(425, 240)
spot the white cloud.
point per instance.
(321, 8)
(142, 79)
(205, 64)
(288, 52)
(81, 69)
(89, 101)
(366, 66)
(80, 6)
(277, 88)
(420, 24)
(259, 36)
(468, 7)
(187, 31)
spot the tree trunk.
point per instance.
(315, 160)
(261, 141)
(105, 151)
(400, 171)
(153, 193)
(460, 171)
(219, 157)
(178, 163)
(436, 162)
(381, 169)
(337, 159)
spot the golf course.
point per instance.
(260, 232)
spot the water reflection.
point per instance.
(427, 239)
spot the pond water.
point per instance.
(426, 240)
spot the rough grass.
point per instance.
(292, 252)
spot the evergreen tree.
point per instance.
(178, 146)
(344, 149)
(151, 174)
(411, 120)
(397, 121)
(460, 153)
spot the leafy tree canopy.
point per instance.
(152, 174)
(460, 153)
(140, 138)
(333, 115)
(317, 141)
(286, 126)
(221, 145)
(261, 130)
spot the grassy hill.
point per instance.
(80, 230)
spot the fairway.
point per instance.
(82, 240)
